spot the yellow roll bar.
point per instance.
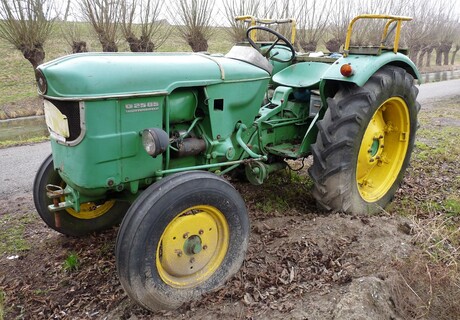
(254, 21)
(391, 19)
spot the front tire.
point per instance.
(92, 216)
(364, 143)
(184, 236)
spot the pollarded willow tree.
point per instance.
(27, 24)
(194, 19)
(103, 16)
(236, 8)
(457, 46)
(141, 25)
(312, 21)
(341, 14)
(430, 30)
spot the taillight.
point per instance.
(346, 70)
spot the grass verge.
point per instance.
(427, 286)
(13, 143)
(2, 304)
(12, 233)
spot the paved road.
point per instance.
(436, 90)
(18, 165)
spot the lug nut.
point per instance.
(185, 236)
(201, 231)
(205, 247)
(192, 260)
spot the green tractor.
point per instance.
(144, 139)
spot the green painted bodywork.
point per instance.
(365, 66)
(96, 75)
(302, 75)
(218, 112)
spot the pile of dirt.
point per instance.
(299, 263)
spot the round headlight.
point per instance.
(41, 81)
(155, 141)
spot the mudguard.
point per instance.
(364, 66)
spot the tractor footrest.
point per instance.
(285, 150)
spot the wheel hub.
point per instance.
(193, 246)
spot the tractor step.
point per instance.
(285, 150)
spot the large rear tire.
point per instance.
(364, 143)
(92, 216)
(184, 236)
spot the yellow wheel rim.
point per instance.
(192, 247)
(91, 210)
(383, 149)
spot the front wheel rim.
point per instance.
(192, 246)
(383, 149)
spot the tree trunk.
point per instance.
(197, 42)
(79, 46)
(421, 56)
(35, 55)
(438, 50)
(414, 52)
(308, 46)
(454, 53)
(333, 45)
(446, 49)
(107, 45)
(144, 44)
(428, 56)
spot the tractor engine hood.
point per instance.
(105, 75)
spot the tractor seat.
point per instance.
(302, 75)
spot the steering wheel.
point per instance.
(278, 38)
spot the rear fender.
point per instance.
(364, 66)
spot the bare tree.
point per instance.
(235, 8)
(341, 15)
(72, 34)
(446, 29)
(149, 33)
(432, 30)
(193, 18)
(312, 20)
(419, 34)
(103, 15)
(26, 25)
